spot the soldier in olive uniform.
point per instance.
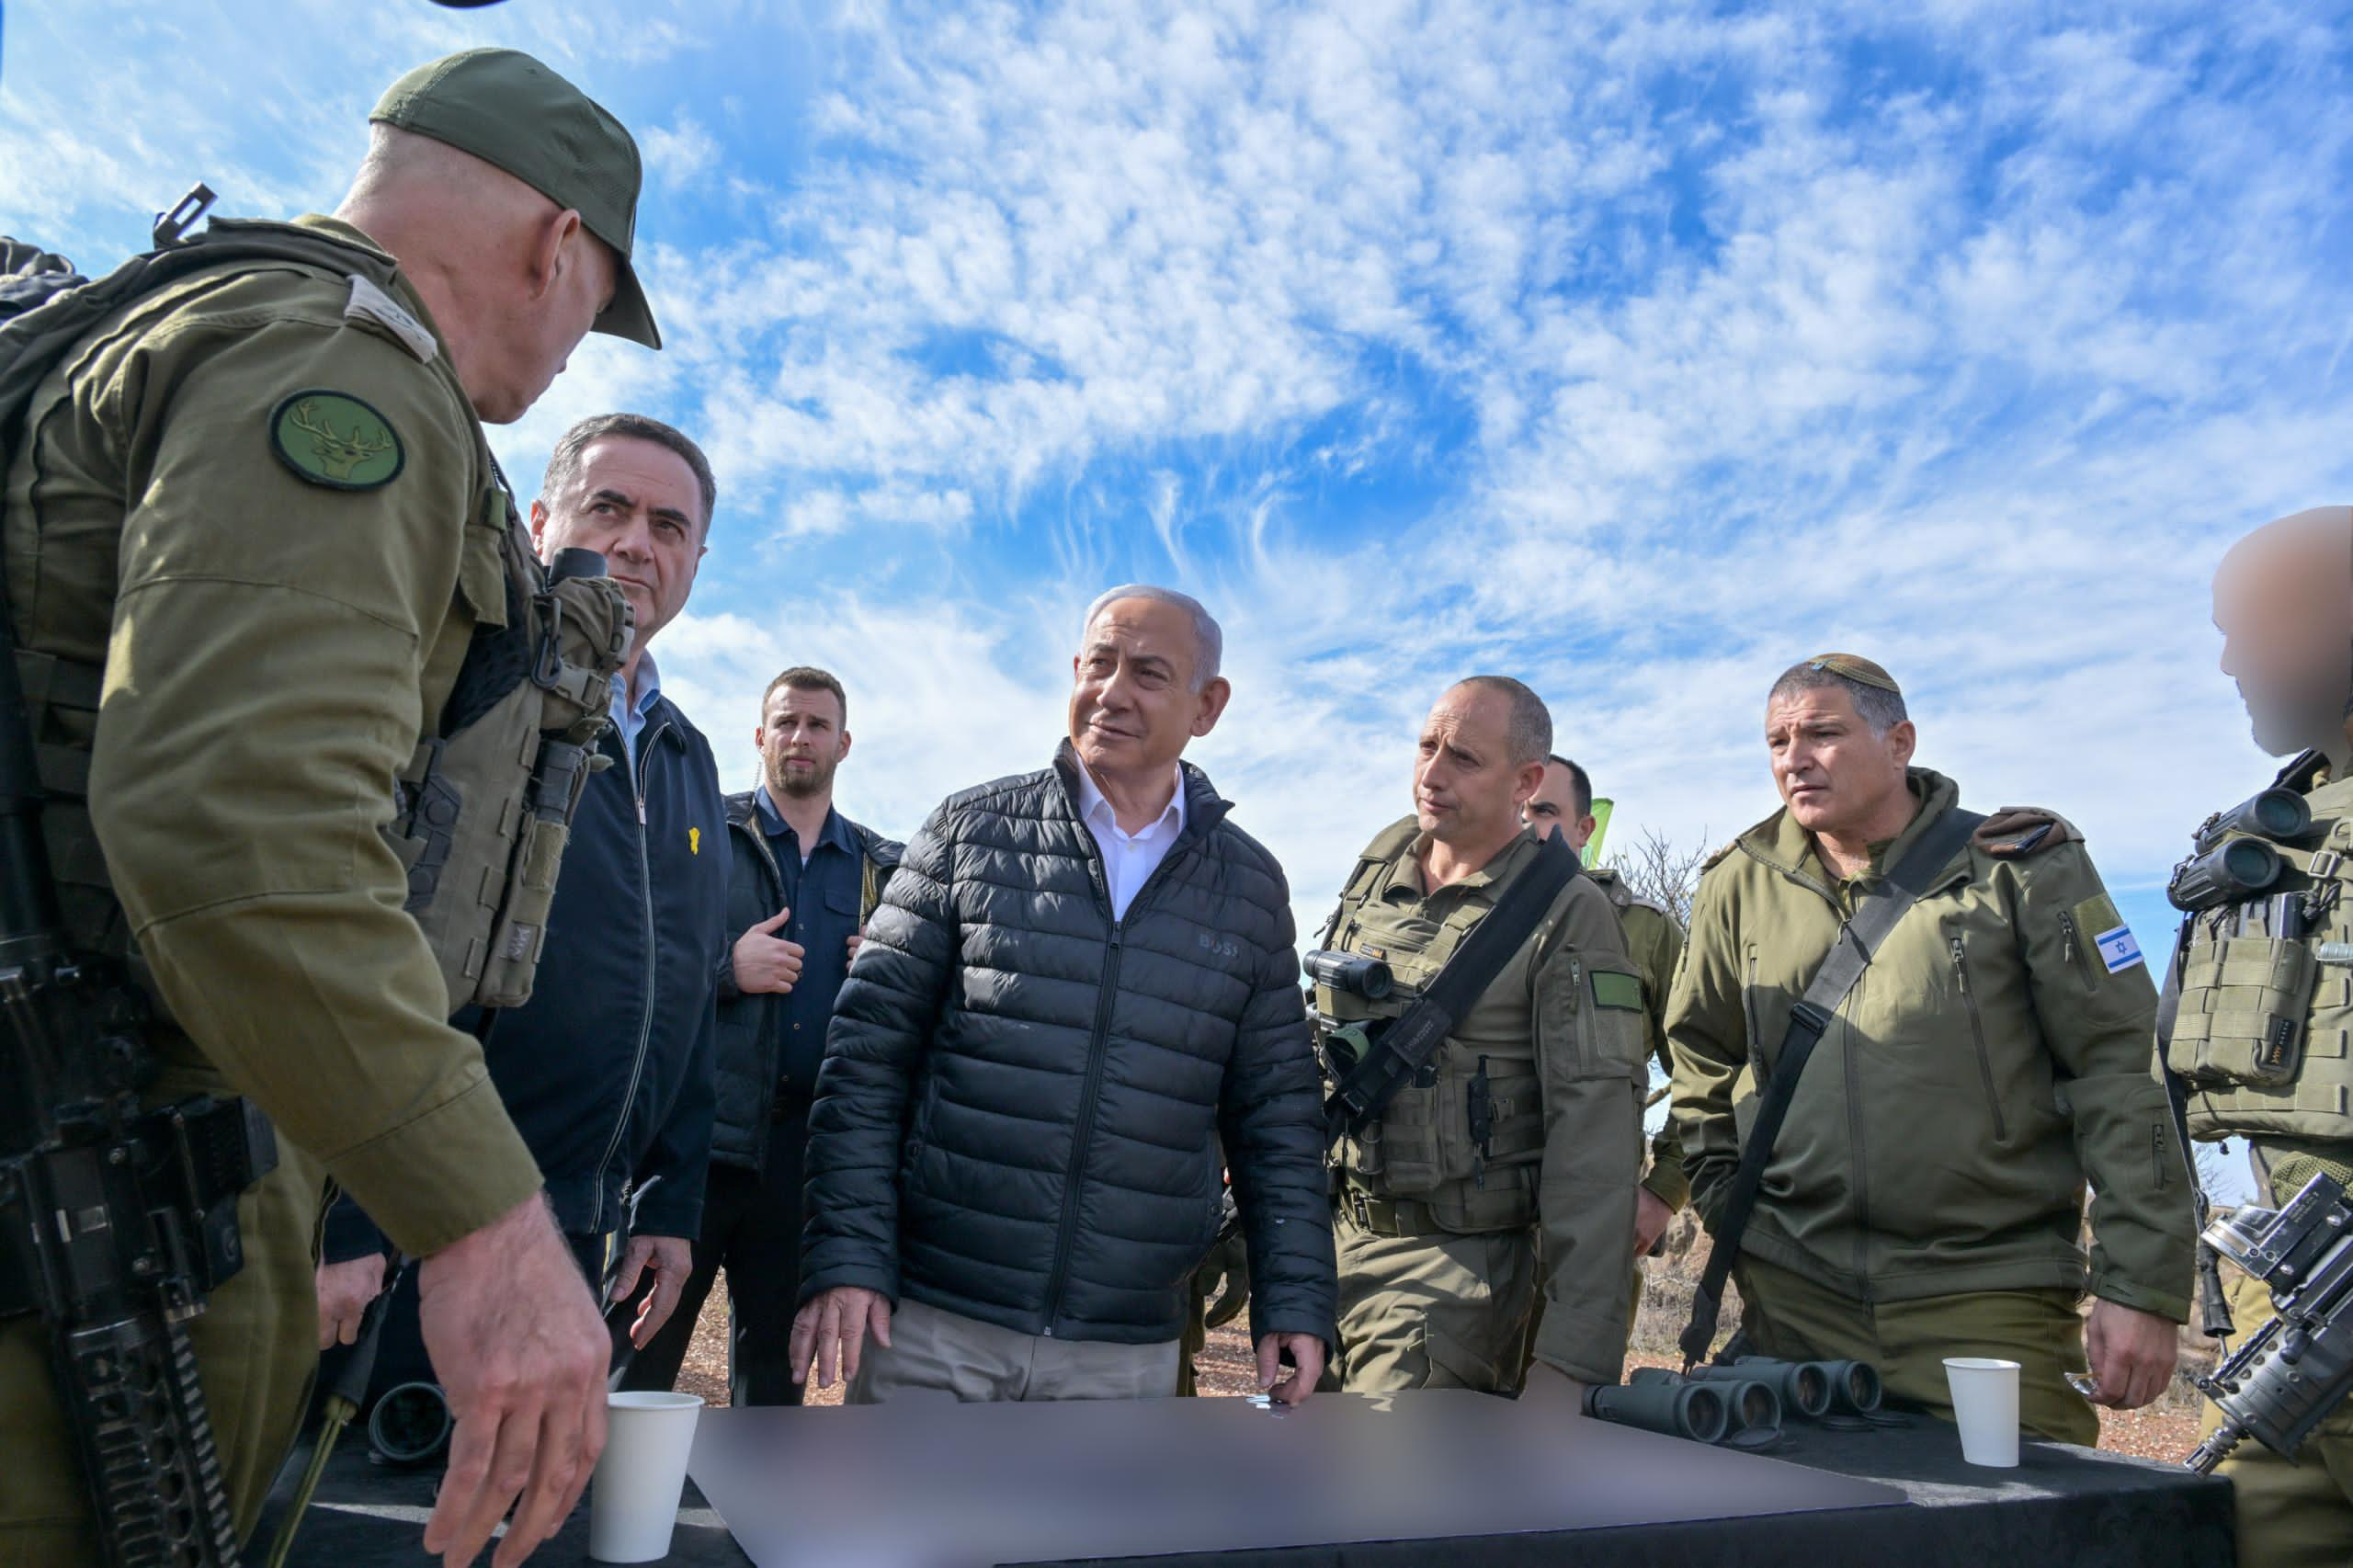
(2283, 600)
(1438, 1227)
(1923, 1198)
(1563, 804)
(250, 536)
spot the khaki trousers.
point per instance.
(1797, 1318)
(1433, 1312)
(945, 1355)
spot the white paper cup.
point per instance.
(633, 1500)
(1985, 1405)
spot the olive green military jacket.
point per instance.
(1655, 944)
(261, 500)
(1988, 1062)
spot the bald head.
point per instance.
(513, 280)
(2283, 602)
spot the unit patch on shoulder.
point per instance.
(335, 440)
(1613, 990)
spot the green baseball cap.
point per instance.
(510, 110)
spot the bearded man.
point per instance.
(803, 879)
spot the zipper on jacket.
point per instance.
(1977, 1033)
(775, 1052)
(646, 1020)
(1756, 1030)
(2078, 954)
(1098, 1042)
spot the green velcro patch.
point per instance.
(1623, 992)
(335, 440)
(2095, 914)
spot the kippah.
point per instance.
(1854, 667)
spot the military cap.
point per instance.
(514, 113)
(1854, 667)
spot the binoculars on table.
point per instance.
(1743, 1412)
(1739, 1404)
(1813, 1388)
(1350, 974)
(1657, 1400)
(2232, 857)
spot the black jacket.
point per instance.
(748, 1065)
(607, 1069)
(1019, 1112)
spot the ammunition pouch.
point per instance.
(483, 809)
(2261, 1041)
(2253, 993)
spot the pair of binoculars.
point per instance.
(1710, 1406)
(1740, 1404)
(2231, 858)
(1813, 1388)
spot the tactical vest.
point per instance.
(1487, 1077)
(480, 812)
(2262, 1037)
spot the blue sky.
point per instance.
(1635, 349)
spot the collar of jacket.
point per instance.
(1204, 807)
(743, 812)
(380, 266)
(664, 720)
(1780, 843)
(837, 830)
(1408, 869)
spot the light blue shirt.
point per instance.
(630, 720)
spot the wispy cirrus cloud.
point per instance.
(1635, 349)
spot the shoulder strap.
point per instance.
(2214, 1307)
(1401, 1049)
(33, 340)
(1850, 954)
(1386, 845)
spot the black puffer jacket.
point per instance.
(1020, 1111)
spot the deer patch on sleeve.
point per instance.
(335, 440)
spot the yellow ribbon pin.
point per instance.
(694, 841)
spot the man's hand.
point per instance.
(1307, 1364)
(345, 1289)
(1549, 1388)
(2131, 1355)
(764, 961)
(672, 1258)
(857, 940)
(830, 1331)
(521, 1352)
(1652, 1216)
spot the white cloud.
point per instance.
(678, 153)
(1640, 349)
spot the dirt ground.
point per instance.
(2164, 1430)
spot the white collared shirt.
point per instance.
(1129, 858)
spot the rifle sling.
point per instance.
(1407, 1044)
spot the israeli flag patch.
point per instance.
(2116, 948)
